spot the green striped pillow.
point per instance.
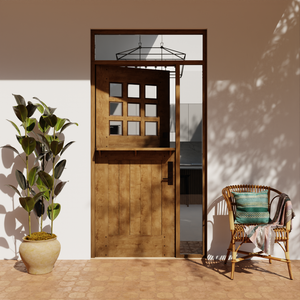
(251, 208)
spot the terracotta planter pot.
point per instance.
(39, 257)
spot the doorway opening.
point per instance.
(148, 143)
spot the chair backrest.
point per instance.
(244, 188)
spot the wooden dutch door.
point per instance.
(135, 166)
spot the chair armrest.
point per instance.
(226, 195)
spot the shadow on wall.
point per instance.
(15, 220)
(252, 126)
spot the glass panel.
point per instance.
(133, 90)
(133, 128)
(191, 240)
(108, 45)
(150, 128)
(150, 110)
(115, 108)
(115, 127)
(134, 109)
(115, 90)
(151, 91)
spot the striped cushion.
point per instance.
(251, 208)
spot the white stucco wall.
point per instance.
(253, 98)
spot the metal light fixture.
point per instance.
(153, 53)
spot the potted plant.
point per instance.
(44, 139)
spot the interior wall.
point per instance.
(253, 98)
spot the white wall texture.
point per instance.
(253, 98)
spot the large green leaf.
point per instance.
(59, 168)
(59, 187)
(67, 125)
(17, 128)
(43, 188)
(60, 123)
(15, 189)
(51, 120)
(66, 147)
(11, 148)
(29, 202)
(39, 107)
(21, 112)
(20, 100)
(56, 210)
(30, 109)
(20, 139)
(44, 141)
(39, 208)
(47, 111)
(43, 125)
(28, 145)
(52, 110)
(32, 177)
(21, 180)
(46, 179)
(30, 124)
(56, 147)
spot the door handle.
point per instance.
(170, 174)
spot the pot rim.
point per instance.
(38, 241)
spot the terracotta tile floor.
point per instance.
(150, 279)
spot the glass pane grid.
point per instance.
(115, 90)
(115, 108)
(150, 128)
(133, 90)
(150, 91)
(115, 127)
(133, 109)
(133, 128)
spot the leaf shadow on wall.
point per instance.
(252, 124)
(16, 219)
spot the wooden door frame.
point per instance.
(177, 65)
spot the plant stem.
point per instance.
(52, 195)
(29, 223)
(28, 194)
(52, 192)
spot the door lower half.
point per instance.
(135, 207)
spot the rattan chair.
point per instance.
(237, 230)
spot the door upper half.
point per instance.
(132, 107)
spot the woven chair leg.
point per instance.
(270, 261)
(287, 256)
(290, 270)
(233, 261)
(228, 252)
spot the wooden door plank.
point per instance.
(168, 213)
(102, 107)
(101, 220)
(156, 199)
(124, 198)
(113, 199)
(135, 199)
(135, 246)
(146, 199)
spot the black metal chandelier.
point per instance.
(153, 53)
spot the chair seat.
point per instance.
(239, 233)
